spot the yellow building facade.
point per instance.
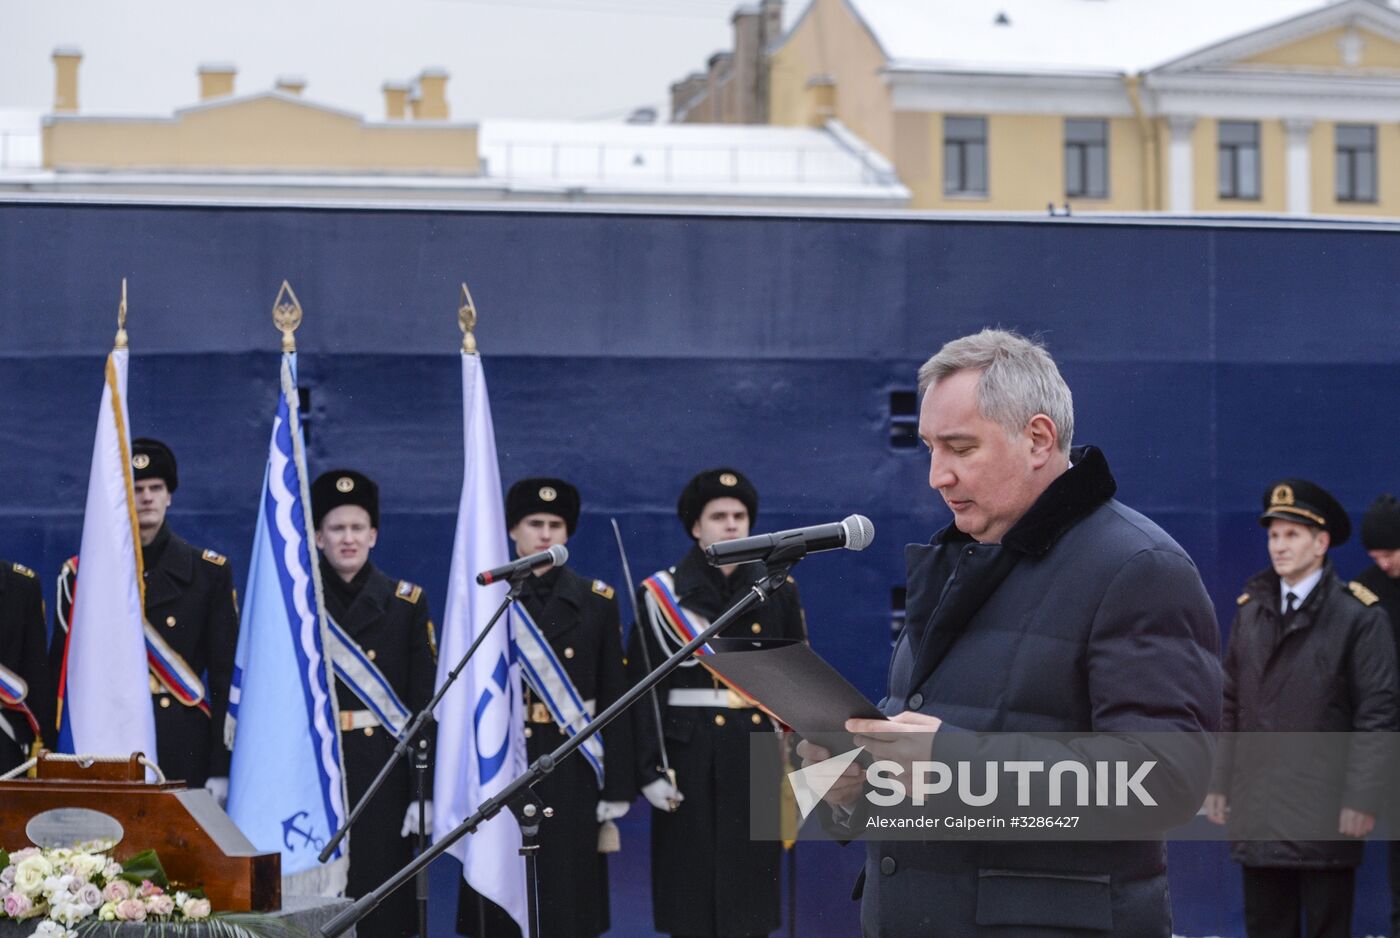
(1279, 108)
(274, 131)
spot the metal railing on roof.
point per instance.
(19, 149)
(605, 162)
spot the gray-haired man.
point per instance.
(1046, 607)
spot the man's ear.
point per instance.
(1044, 437)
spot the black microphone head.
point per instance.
(859, 532)
(558, 553)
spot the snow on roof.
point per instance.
(20, 139)
(610, 155)
(1061, 35)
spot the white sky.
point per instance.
(584, 59)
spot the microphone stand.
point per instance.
(421, 764)
(519, 795)
(517, 584)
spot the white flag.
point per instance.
(106, 704)
(481, 741)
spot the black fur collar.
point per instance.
(1081, 489)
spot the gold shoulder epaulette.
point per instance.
(432, 639)
(602, 589)
(22, 570)
(408, 592)
(216, 558)
(1242, 599)
(1362, 593)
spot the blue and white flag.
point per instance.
(105, 694)
(287, 781)
(481, 739)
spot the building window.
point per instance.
(1239, 159)
(965, 156)
(1356, 163)
(1086, 159)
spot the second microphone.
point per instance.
(554, 557)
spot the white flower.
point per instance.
(50, 929)
(86, 866)
(30, 875)
(69, 913)
(108, 912)
(196, 908)
(112, 870)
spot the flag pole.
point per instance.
(120, 342)
(286, 315)
(466, 319)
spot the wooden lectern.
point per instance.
(197, 843)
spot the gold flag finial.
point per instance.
(466, 318)
(286, 315)
(121, 319)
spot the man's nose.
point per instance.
(939, 475)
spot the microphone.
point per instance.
(854, 533)
(554, 557)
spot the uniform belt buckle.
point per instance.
(539, 713)
(347, 721)
(736, 700)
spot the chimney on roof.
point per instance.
(685, 94)
(395, 100)
(747, 65)
(772, 21)
(431, 102)
(290, 84)
(216, 80)
(66, 60)
(715, 111)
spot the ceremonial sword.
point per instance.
(646, 660)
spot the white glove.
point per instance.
(217, 786)
(611, 810)
(410, 819)
(662, 794)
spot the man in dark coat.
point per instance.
(191, 605)
(388, 620)
(28, 706)
(1308, 654)
(579, 619)
(1046, 607)
(1380, 534)
(708, 877)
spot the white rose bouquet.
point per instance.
(63, 887)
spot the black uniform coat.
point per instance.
(388, 619)
(190, 602)
(708, 878)
(1387, 590)
(22, 651)
(1332, 670)
(1086, 618)
(579, 618)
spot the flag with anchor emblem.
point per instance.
(481, 742)
(287, 782)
